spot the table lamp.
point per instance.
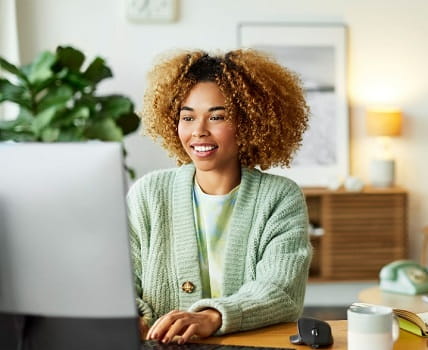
(383, 124)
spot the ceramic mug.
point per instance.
(371, 327)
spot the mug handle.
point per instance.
(395, 328)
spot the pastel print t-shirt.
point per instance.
(213, 215)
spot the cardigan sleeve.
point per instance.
(276, 293)
(137, 222)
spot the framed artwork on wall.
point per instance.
(317, 53)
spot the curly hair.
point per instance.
(264, 100)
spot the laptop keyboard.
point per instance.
(155, 345)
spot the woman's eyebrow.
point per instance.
(212, 109)
(216, 108)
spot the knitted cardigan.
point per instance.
(266, 257)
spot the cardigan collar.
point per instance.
(184, 232)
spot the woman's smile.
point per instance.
(203, 149)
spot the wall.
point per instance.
(387, 63)
(8, 46)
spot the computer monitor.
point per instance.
(65, 270)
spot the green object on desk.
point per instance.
(404, 277)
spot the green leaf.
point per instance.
(131, 172)
(56, 97)
(78, 82)
(97, 71)
(25, 116)
(71, 135)
(69, 57)
(9, 67)
(50, 83)
(11, 135)
(50, 135)
(114, 106)
(128, 123)
(43, 119)
(14, 93)
(89, 100)
(40, 69)
(19, 129)
(104, 130)
(7, 124)
(74, 118)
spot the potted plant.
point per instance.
(57, 101)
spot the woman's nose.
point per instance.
(200, 130)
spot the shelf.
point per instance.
(362, 231)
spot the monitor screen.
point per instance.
(65, 269)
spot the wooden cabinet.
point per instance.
(362, 231)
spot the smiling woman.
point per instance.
(217, 245)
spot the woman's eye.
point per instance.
(217, 117)
(186, 118)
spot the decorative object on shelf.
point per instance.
(152, 10)
(334, 183)
(353, 184)
(317, 54)
(58, 102)
(315, 231)
(383, 124)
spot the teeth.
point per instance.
(203, 148)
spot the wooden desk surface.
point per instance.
(374, 295)
(278, 336)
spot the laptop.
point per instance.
(65, 270)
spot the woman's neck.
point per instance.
(218, 183)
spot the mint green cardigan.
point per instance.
(266, 257)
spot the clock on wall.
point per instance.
(152, 10)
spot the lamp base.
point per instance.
(382, 172)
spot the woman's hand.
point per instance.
(185, 324)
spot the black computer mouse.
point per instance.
(313, 332)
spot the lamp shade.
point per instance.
(384, 122)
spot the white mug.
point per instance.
(371, 327)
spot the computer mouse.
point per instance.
(312, 332)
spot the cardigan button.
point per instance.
(188, 287)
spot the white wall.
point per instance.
(8, 46)
(388, 52)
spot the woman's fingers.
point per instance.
(189, 332)
(162, 324)
(177, 328)
(185, 324)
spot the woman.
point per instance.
(219, 246)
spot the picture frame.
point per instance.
(317, 54)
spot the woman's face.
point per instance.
(207, 137)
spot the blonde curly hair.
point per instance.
(263, 99)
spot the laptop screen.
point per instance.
(65, 269)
